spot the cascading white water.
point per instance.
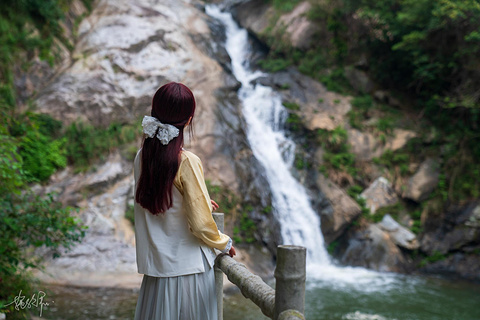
(265, 115)
(300, 225)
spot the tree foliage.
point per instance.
(429, 47)
(30, 150)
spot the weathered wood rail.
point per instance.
(286, 302)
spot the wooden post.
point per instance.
(290, 275)
(219, 220)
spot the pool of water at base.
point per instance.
(408, 298)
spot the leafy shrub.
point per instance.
(41, 157)
(27, 221)
(364, 102)
(391, 159)
(344, 161)
(285, 5)
(335, 140)
(294, 122)
(86, 143)
(336, 81)
(274, 65)
(291, 106)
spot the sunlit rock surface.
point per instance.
(379, 194)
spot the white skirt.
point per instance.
(188, 297)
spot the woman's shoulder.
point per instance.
(190, 157)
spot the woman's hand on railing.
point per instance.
(215, 206)
(232, 252)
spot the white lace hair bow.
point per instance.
(165, 133)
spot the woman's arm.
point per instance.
(199, 206)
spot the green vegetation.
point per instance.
(31, 149)
(425, 52)
(285, 5)
(27, 221)
(244, 227)
(247, 228)
(337, 154)
(294, 122)
(39, 144)
(332, 247)
(130, 213)
(393, 160)
(87, 143)
(434, 257)
(274, 65)
(301, 162)
(291, 106)
(225, 198)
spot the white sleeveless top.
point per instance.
(165, 243)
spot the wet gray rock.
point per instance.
(373, 248)
(466, 266)
(457, 230)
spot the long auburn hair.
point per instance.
(173, 104)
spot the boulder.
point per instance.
(457, 230)
(363, 144)
(294, 27)
(379, 194)
(340, 212)
(423, 182)
(299, 30)
(254, 15)
(400, 235)
(374, 248)
(466, 266)
(321, 121)
(399, 139)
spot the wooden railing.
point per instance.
(286, 302)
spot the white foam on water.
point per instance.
(357, 315)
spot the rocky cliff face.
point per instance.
(125, 51)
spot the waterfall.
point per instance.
(265, 116)
(300, 225)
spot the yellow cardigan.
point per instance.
(191, 184)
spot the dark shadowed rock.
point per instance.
(462, 265)
(457, 230)
(359, 80)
